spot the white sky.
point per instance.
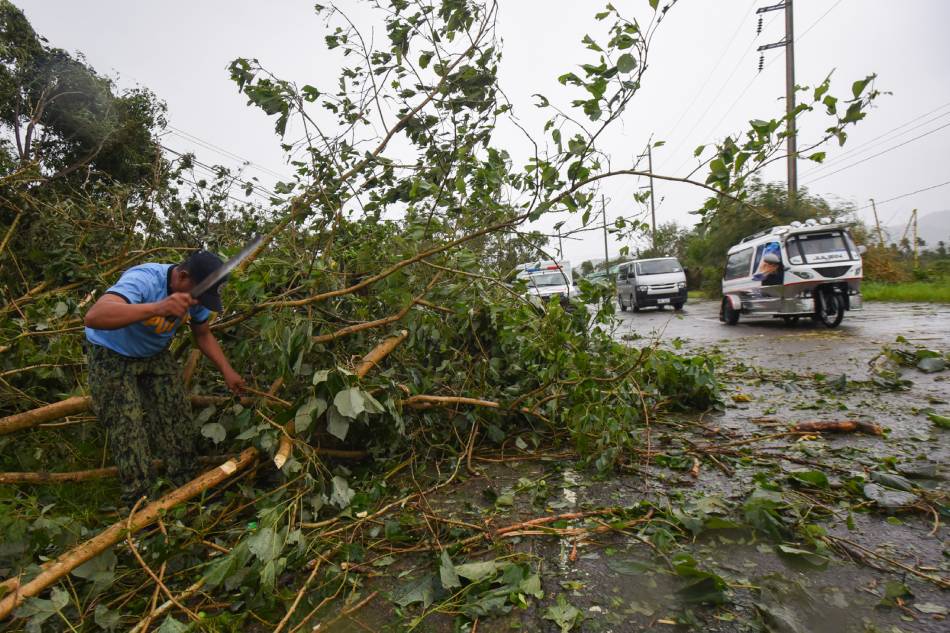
(702, 83)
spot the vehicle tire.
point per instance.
(727, 314)
(830, 309)
(660, 307)
(634, 304)
(623, 306)
(790, 320)
(678, 307)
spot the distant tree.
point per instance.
(587, 267)
(669, 241)
(942, 248)
(62, 116)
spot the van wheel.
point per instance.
(634, 304)
(678, 306)
(727, 314)
(623, 306)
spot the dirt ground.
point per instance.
(776, 375)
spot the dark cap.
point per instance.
(199, 265)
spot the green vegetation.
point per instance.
(911, 291)
(369, 239)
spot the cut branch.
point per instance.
(88, 550)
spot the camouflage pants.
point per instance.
(142, 404)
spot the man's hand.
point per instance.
(175, 305)
(234, 382)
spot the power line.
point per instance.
(752, 81)
(905, 195)
(712, 73)
(256, 189)
(716, 97)
(859, 148)
(890, 149)
(224, 152)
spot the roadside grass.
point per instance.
(916, 291)
(696, 294)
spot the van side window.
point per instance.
(738, 264)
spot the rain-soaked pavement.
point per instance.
(775, 375)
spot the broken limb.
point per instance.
(88, 550)
(840, 426)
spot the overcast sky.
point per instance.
(702, 83)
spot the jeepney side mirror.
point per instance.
(862, 249)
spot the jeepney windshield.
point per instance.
(658, 267)
(819, 248)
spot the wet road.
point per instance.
(804, 346)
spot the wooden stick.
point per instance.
(423, 401)
(27, 419)
(81, 404)
(839, 426)
(190, 366)
(165, 606)
(88, 550)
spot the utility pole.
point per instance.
(877, 223)
(914, 217)
(789, 44)
(652, 197)
(560, 246)
(649, 155)
(603, 206)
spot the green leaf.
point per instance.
(477, 571)
(171, 625)
(940, 420)
(931, 609)
(106, 619)
(214, 431)
(626, 63)
(818, 157)
(858, 87)
(312, 408)
(698, 151)
(813, 478)
(265, 544)
(419, 591)
(563, 614)
(654, 3)
(350, 402)
(447, 574)
(342, 494)
(425, 58)
(320, 376)
(811, 558)
(337, 425)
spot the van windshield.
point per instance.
(658, 267)
(818, 248)
(548, 279)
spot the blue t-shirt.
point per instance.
(146, 283)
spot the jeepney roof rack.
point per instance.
(761, 233)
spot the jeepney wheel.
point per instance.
(678, 307)
(790, 320)
(623, 306)
(831, 309)
(634, 304)
(727, 314)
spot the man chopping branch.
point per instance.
(135, 384)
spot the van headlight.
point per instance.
(803, 274)
(857, 270)
(681, 284)
(643, 288)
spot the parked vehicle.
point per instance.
(655, 282)
(800, 270)
(547, 279)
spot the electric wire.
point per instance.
(712, 73)
(188, 136)
(881, 153)
(863, 147)
(904, 195)
(756, 76)
(257, 190)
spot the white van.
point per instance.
(811, 269)
(546, 279)
(658, 282)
